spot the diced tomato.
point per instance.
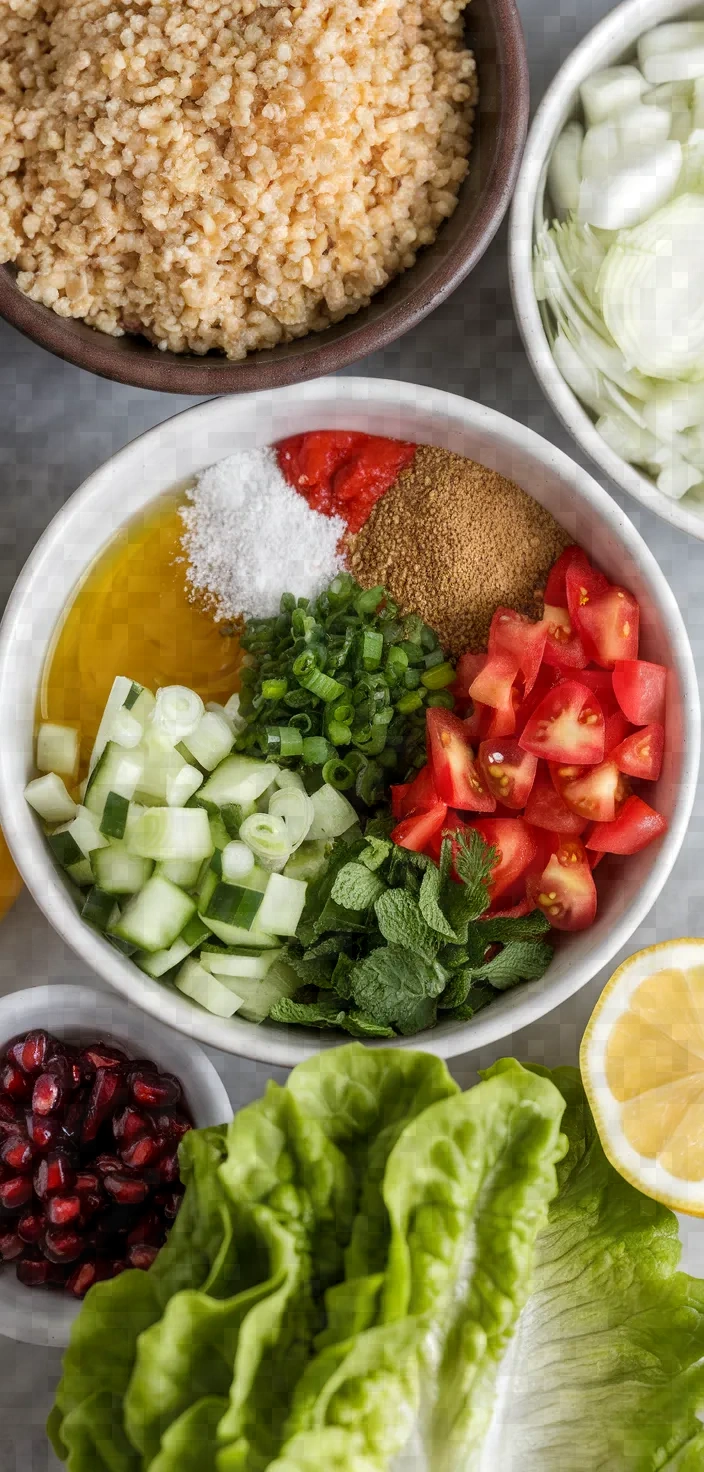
(416, 831)
(502, 718)
(477, 725)
(418, 796)
(545, 808)
(547, 678)
(565, 890)
(635, 827)
(568, 726)
(563, 646)
(594, 859)
(616, 728)
(458, 781)
(508, 770)
(601, 683)
(516, 636)
(452, 825)
(467, 669)
(582, 584)
(593, 793)
(640, 755)
(556, 585)
(515, 848)
(639, 688)
(609, 626)
(492, 686)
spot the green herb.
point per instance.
(394, 936)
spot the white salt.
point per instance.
(249, 537)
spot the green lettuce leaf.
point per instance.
(606, 1371)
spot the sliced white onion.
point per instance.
(652, 290)
(609, 145)
(237, 861)
(638, 186)
(297, 810)
(626, 439)
(674, 408)
(232, 711)
(565, 169)
(610, 91)
(267, 836)
(677, 479)
(125, 730)
(581, 375)
(177, 713)
(673, 52)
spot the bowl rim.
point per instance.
(307, 358)
(602, 46)
(287, 1047)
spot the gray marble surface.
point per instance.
(57, 423)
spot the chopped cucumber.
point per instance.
(282, 906)
(171, 833)
(121, 688)
(125, 730)
(114, 819)
(64, 847)
(234, 935)
(237, 963)
(182, 785)
(57, 749)
(233, 905)
(85, 829)
(218, 832)
(118, 771)
(49, 798)
(211, 741)
(333, 813)
(257, 997)
(117, 871)
(154, 918)
(183, 872)
(308, 860)
(197, 983)
(157, 963)
(100, 909)
(81, 873)
(239, 779)
(162, 765)
(256, 879)
(233, 815)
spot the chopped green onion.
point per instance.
(355, 761)
(372, 649)
(370, 783)
(396, 661)
(267, 836)
(316, 751)
(369, 601)
(344, 713)
(283, 741)
(274, 689)
(442, 698)
(410, 702)
(435, 657)
(438, 677)
(411, 679)
(339, 734)
(301, 722)
(338, 774)
(312, 678)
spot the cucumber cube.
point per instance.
(282, 906)
(58, 749)
(154, 918)
(205, 989)
(49, 798)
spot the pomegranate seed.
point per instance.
(168, 1168)
(102, 1055)
(91, 1201)
(11, 1246)
(141, 1255)
(149, 1228)
(174, 1126)
(107, 1164)
(154, 1090)
(117, 1266)
(73, 1119)
(30, 1052)
(105, 1096)
(126, 1190)
(63, 1208)
(17, 1152)
(15, 1192)
(33, 1273)
(42, 1131)
(14, 1082)
(30, 1226)
(86, 1181)
(129, 1124)
(140, 1153)
(169, 1201)
(62, 1244)
(53, 1173)
(48, 1094)
(81, 1279)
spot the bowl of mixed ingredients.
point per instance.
(604, 242)
(357, 710)
(207, 203)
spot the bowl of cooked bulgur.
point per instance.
(213, 196)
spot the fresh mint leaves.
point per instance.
(388, 939)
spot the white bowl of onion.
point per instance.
(605, 252)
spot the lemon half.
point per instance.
(642, 1061)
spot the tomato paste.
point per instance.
(343, 473)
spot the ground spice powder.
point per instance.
(453, 540)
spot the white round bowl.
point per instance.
(164, 457)
(611, 42)
(39, 1316)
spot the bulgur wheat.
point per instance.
(225, 174)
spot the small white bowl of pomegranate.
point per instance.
(94, 1100)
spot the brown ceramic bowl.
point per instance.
(494, 32)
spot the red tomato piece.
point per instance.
(609, 626)
(477, 725)
(308, 462)
(639, 688)
(601, 683)
(468, 667)
(563, 647)
(568, 726)
(515, 850)
(582, 584)
(546, 680)
(616, 728)
(514, 912)
(502, 718)
(458, 781)
(565, 890)
(492, 686)
(517, 637)
(398, 799)
(640, 755)
(593, 793)
(556, 586)
(545, 808)
(452, 825)
(418, 796)
(416, 831)
(635, 827)
(509, 771)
